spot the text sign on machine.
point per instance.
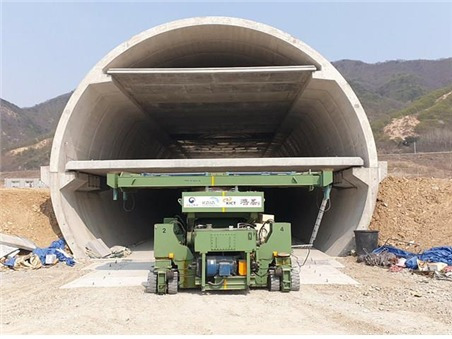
(220, 202)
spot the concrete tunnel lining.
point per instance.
(103, 122)
(182, 100)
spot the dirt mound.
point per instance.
(28, 213)
(414, 209)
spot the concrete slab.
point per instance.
(315, 257)
(181, 87)
(101, 167)
(113, 274)
(321, 269)
(6, 250)
(19, 242)
(133, 270)
(323, 275)
(130, 271)
(258, 97)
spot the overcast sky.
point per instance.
(47, 48)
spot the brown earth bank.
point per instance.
(28, 213)
(414, 209)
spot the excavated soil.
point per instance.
(414, 210)
(28, 213)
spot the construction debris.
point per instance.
(430, 267)
(13, 254)
(56, 248)
(26, 261)
(120, 252)
(18, 242)
(444, 274)
(436, 254)
(378, 259)
(434, 262)
(97, 249)
(51, 259)
(6, 250)
(41, 256)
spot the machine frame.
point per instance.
(217, 246)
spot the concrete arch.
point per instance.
(103, 121)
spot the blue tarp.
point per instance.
(42, 252)
(438, 254)
(10, 262)
(52, 249)
(397, 251)
(435, 254)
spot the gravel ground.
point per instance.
(383, 303)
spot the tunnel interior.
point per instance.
(177, 114)
(211, 91)
(144, 208)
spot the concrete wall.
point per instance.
(103, 120)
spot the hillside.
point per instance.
(24, 126)
(386, 87)
(45, 115)
(17, 127)
(429, 74)
(426, 121)
(408, 90)
(27, 132)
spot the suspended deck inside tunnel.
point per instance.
(102, 167)
(215, 112)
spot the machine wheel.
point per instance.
(151, 286)
(173, 284)
(274, 283)
(295, 278)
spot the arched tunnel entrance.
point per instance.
(191, 95)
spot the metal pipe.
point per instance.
(326, 198)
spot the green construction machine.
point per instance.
(224, 241)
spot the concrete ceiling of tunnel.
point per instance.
(226, 44)
(213, 111)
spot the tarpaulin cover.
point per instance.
(53, 249)
(435, 254)
(10, 262)
(397, 251)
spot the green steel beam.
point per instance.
(131, 180)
